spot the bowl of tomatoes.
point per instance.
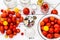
(49, 27)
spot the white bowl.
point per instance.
(39, 29)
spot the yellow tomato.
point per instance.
(5, 23)
(46, 28)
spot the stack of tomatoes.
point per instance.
(54, 27)
(9, 21)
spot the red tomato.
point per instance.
(48, 24)
(42, 23)
(14, 33)
(9, 20)
(18, 15)
(52, 18)
(49, 36)
(56, 30)
(14, 30)
(58, 21)
(8, 32)
(51, 30)
(44, 33)
(5, 27)
(54, 11)
(56, 35)
(46, 20)
(11, 36)
(52, 23)
(4, 15)
(10, 16)
(26, 11)
(1, 28)
(11, 27)
(21, 19)
(18, 30)
(56, 26)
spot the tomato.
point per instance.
(14, 30)
(51, 30)
(56, 35)
(26, 11)
(18, 30)
(8, 32)
(44, 33)
(11, 27)
(48, 24)
(1, 28)
(13, 19)
(21, 19)
(56, 30)
(15, 33)
(58, 21)
(52, 23)
(49, 36)
(42, 23)
(5, 27)
(4, 15)
(11, 36)
(46, 20)
(18, 15)
(56, 26)
(10, 16)
(9, 20)
(54, 11)
(52, 18)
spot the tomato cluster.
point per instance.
(53, 25)
(9, 21)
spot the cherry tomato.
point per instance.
(49, 36)
(56, 35)
(46, 20)
(54, 11)
(5, 27)
(56, 26)
(11, 36)
(52, 18)
(18, 30)
(44, 33)
(51, 30)
(58, 21)
(42, 23)
(26, 11)
(48, 24)
(18, 15)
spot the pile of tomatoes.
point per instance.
(9, 21)
(52, 27)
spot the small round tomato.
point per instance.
(18, 15)
(5, 27)
(10, 16)
(14, 30)
(51, 30)
(21, 19)
(9, 20)
(56, 35)
(18, 30)
(56, 26)
(1, 28)
(56, 30)
(48, 24)
(42, 23)
(58, 21)
(52, 18)
(26, 11)
(44, 33)
(54, 11)
(4, 15)
(14, 33)
(11, 36)
(52, 23)
(11, 27)
(8, 32)
(46, 20)
(49, 36)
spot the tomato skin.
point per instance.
(9, 20)
(46, 20)
(11, 36)
(18, 30)
(58, 21)
(18, 15)
(26, 11)
(44, 33)
(49, 36)
(42, 23)
(8, 32)
(15, 33)
(56, 26)
(5, 27)
(56, 35)
(11, 27)
(48, 24)
(21, 19)
(52, 18)
(56, 30)
(54, 11)
(51, 30)
(4, 15)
